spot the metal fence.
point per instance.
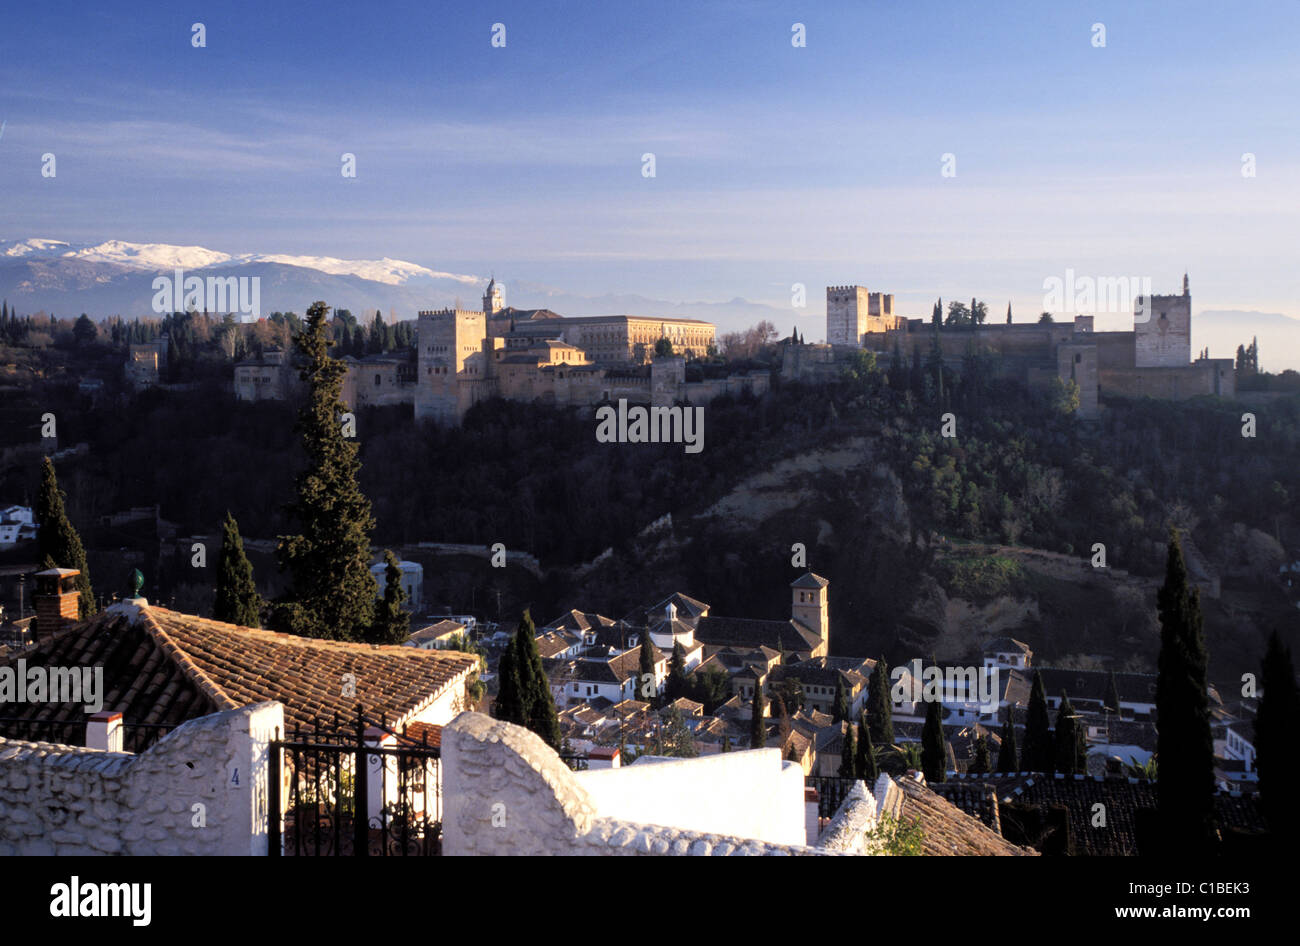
(136, 737)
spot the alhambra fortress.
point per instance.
(466, 356)
(1153, 360)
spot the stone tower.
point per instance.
(847, 308)
(492, 300)
(809, 605)
(1162, 330)
(452, 364)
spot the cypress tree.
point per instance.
(840, 708)
(1008, 757)
(392, 620)
(1112, 694)
(646, 676)
(979, 763)
(237, 599)
(866, 759)
(509, 701)
(933, 757)
(677, 684)
(57, 542)
(333, 593)
(782, 720)
(537, 701)
(1067, 738)
(1039, 750)
(1184, 745)
(848, 755)
(757, 728)
(1276, 724)
(1008, 313)
(880, 708)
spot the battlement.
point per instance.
(448, 313)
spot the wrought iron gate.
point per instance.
(349, 792)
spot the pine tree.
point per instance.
(840, 708)
(848, 755)
(1276, 724)
(1067, 738)
(880, 708)
(57, 543)
(1039, 750)
(392, 620)
(757, 727)
(1184, 744)
(933, 756)
(979, 763)
(646, 676)
(1008, 760)
(868, 771)
(333, 593)
(237, 599)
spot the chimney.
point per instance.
(55, 600)
(104, 731)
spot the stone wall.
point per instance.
(506, 792)
(67, 800)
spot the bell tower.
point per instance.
(809, 604)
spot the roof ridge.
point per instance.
(186, 663)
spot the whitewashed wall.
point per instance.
(751, 794)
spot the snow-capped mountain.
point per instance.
(115, 277)
(163, 257)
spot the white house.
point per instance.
(412, 582)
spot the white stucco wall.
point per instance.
(751, 794)
(57, 799)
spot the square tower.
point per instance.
(847, 308)
(809, 604)
(1162, 330)
(450, 359)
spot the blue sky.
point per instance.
(774, 164)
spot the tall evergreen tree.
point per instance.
(677, 685)
(979, 763)
(333, 593)
(782, 720)
(537, 702)
(880, 707)
(1008, 757)
(646, 676)
(509, 704)
(1111, 701)
(1008, 312)
(392, 620)
(868, 771)
(237, 599)
(57, 543)
(757, 727)
(840, 708)
(848, 754)
(1067, 738)
(1039, 749)
(1276, 725)
(1184, 744)
(933, 757)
